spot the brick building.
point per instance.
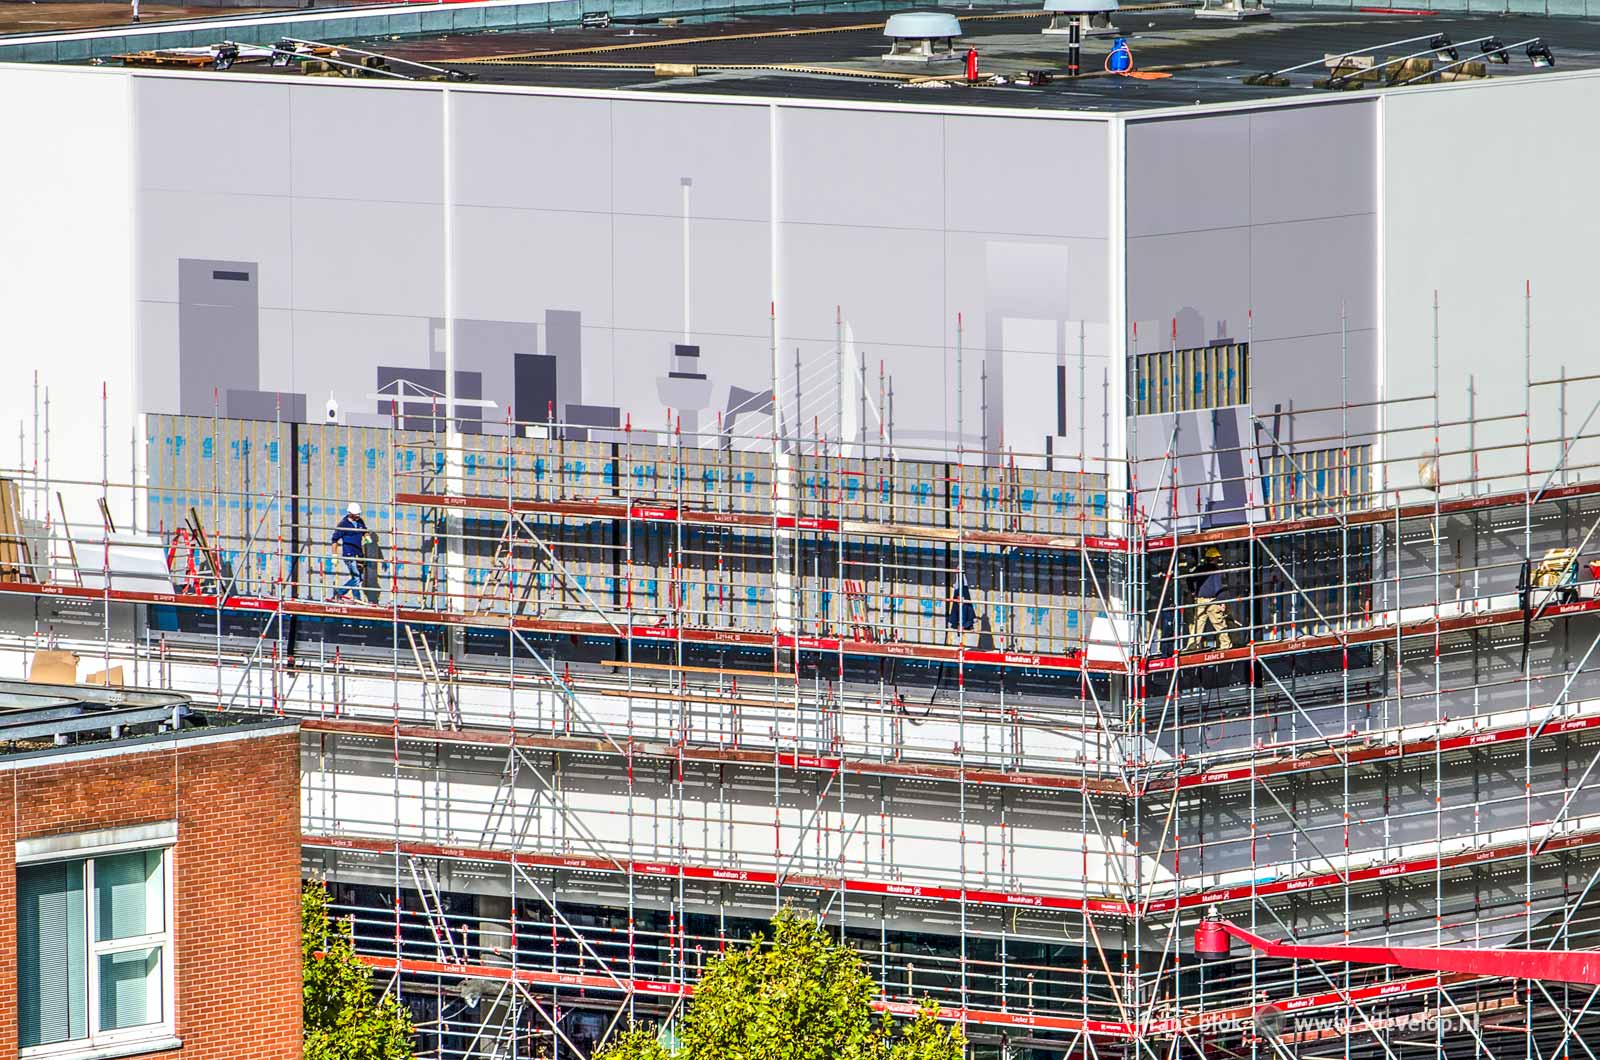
(149, 875)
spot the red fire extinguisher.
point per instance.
(972, 65)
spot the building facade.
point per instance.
(152, 890)
(1007, 533)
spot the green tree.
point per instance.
(799, 996)
(344, 1018)
(925, 1038)
(635, 1043)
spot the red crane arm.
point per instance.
(1558, 966)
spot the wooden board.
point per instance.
(52, 667)
(101, 678)
(15, 562)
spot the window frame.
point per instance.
(126, 1040)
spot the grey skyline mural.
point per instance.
(570, 233)
(615, 265)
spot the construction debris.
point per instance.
(311, 58)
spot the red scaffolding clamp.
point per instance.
(1213, 938)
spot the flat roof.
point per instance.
(841, 56)
(87, 14)
(39, 719)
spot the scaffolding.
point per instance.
(1010, 723)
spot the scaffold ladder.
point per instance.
(503, 569)
(438, 693)
(433, 908)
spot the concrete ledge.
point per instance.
(165, 1043)
(100, 841)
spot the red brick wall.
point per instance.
(236, 875)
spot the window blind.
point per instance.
(52, 989)
(128, 895)
(130, 988)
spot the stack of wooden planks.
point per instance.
(16, 561)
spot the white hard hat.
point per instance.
(354, 509)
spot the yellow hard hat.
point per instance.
(1212, 552)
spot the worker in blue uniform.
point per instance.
(350, 539)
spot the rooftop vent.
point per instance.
(1091, 16)
(1233, 10)
(921, 36)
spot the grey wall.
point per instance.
(218, 332)
(1258, 225)
(564, 237)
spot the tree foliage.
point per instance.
(797, 996)
(801, 998)
(635, 1043)
(344, 1018)
(925, 1038)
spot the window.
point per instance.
(1185, 380)
(94, 948)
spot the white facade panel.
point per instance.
(67, 269)
(1489, 193)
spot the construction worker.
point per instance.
(959, 612)
(1208, 612)
(350, 539)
